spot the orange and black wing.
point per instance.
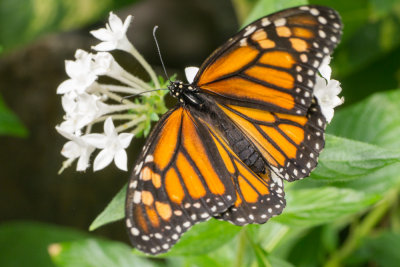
(258, 197)
(289, 144)
(187, 174)
(272, 63)
(179, 179)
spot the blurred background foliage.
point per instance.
(346, 214)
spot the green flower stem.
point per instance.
(361, 230)
(113, 96)
(130, 124)
(138, 129)
(146, 66)
(120, 89)
(241, 248)
(117, 108)
(133, 81)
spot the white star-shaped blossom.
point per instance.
(113, 36)
(190, 73)
(327, 91)
(81, 110)
(105, 64)
(113, 146)
(76, 148)
(81, 72)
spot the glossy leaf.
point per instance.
(96, 252)
(315, 206)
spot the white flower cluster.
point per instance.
(86, 101)
(327, 91)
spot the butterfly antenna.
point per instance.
(148, 91)
(159, 52)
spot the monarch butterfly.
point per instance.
(248, 121)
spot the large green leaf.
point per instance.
(24, 20)
(96, 252)
(375, 120)
(9, 122)
(203, 238)
(314, 206)
(345, 159)
(26, 243)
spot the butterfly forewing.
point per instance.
(272, 63)
(180, 179)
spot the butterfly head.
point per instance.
(185, 93)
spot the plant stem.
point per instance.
(146, 66)
(361, 230)
(241, 248)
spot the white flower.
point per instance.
(81, 111)
(114, 35)
(325, 70)
(76, 148)
(190, 73)
(105, 64)
(81, 74)
(113, 146)
(327, 91)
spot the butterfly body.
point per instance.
(187, 94)
(248, 121)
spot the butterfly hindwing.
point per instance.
(272, 63)
(289, 144)
(258, 197)
(180, 179)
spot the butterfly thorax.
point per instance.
(187, 94)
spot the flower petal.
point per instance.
(190, 73)
(104, 46)
(96, 140)
(125, 139)
(83, 162)
(66, 86)
(109, 128)
(102, 34)
(325, 70)
(121, 159)
(70, 150)
(103, 159)
(115, 22)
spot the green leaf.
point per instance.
(9, 122)
(315, 206)
(113, 212)
(344, 159)
(266, 7)
(383, 250)
(277, 262)
(26, 20)
(375, 120)
(96, 252)
(26, 243)
(203, 238)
